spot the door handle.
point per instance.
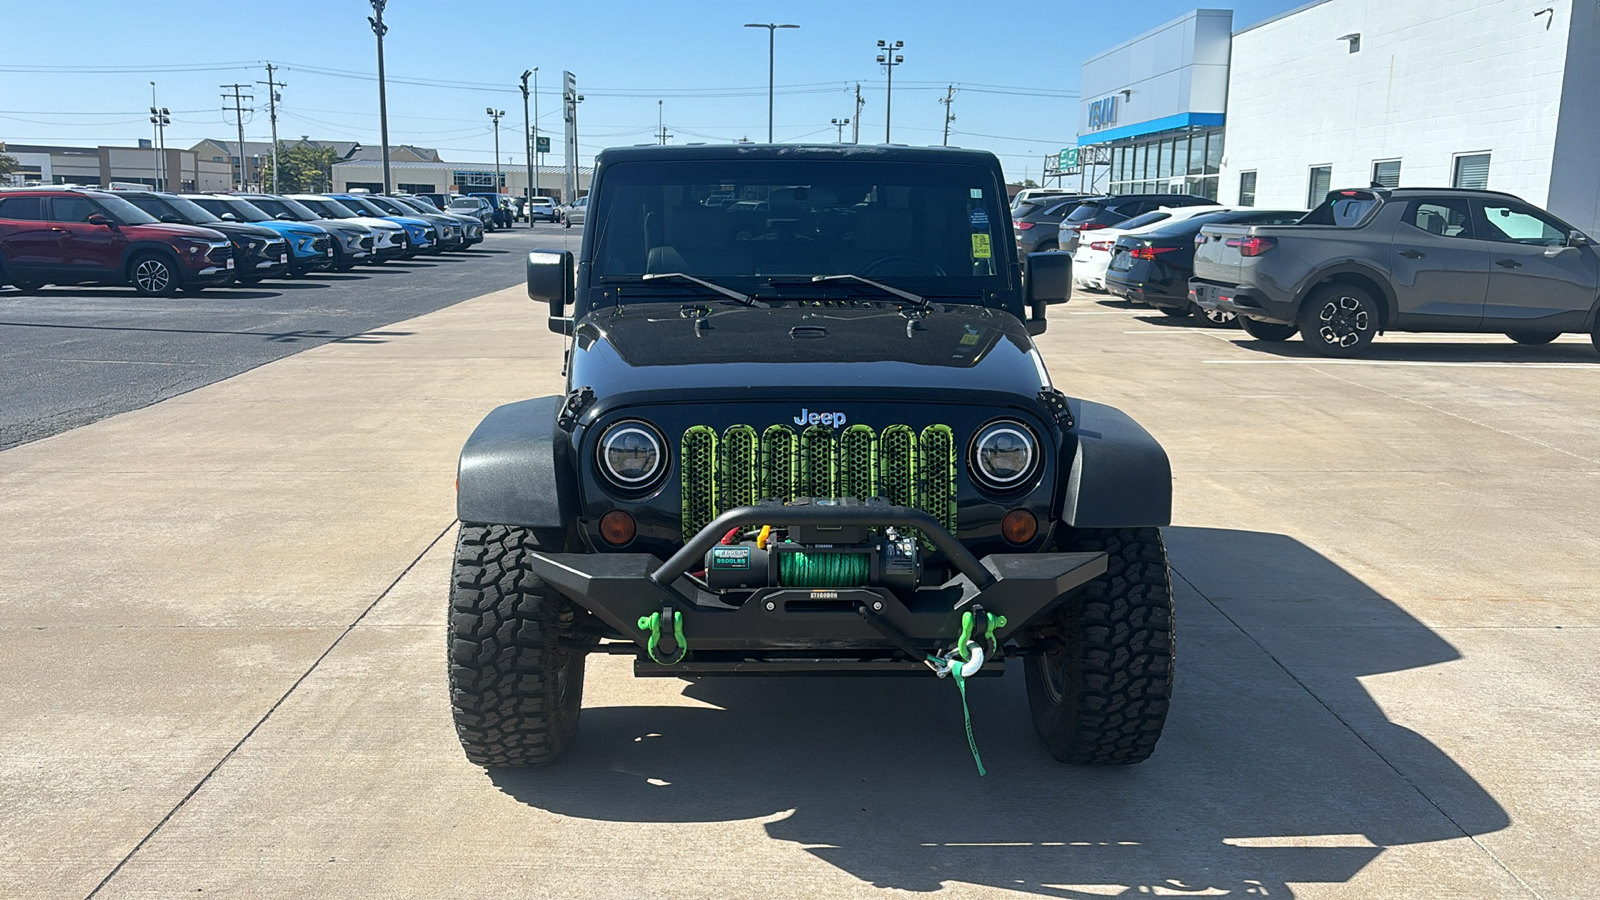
(1412, 254)
(1508, 264)
(59, 230)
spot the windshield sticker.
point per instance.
(976, 193)
(980, 247)
(980, 219)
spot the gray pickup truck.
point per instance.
(1404, 259)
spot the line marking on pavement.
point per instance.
(1163, 331)
(268, 714)
(1109, 312)
(1399, 362)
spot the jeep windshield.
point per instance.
(770, 226)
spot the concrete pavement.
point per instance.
(222, 618)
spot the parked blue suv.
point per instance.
(421, 235)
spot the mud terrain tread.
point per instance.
(506, 665)
(1116, 641)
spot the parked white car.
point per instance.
(1093, 256)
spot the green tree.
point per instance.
(300, 169)
(8, 166)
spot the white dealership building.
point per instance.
(1503, 94)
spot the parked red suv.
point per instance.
(66, 236)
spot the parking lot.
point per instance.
(223, 616)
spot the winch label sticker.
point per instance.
(730, 557)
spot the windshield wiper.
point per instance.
(920, 301)
(730, 293)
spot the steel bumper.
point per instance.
(620, 588)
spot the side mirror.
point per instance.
(1046, 279)
(98, 219)
(228, 217)
(551, 280)
(284, 217)
(1578, 239)
(171, 219)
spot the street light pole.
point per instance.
(527, 141)
(772, 31)
(840, 124)
(155, 134)
(380, 29)
(499, 180)
(889, 59)
(536, 160)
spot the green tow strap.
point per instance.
(652, 624)
(948, 665)
(966, 714)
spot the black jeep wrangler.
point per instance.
(807, 431)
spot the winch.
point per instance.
(817, 556)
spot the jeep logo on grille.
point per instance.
(807, 417)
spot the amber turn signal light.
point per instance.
(617, 527)
(1019, 526)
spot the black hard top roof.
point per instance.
(889, 152)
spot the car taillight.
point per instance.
(1085, 226)
(1024, 226)
(1198, 240)
(1253, 246)
(1150, 253)
(1101, 245)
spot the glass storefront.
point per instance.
(1183, 161)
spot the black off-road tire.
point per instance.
(1100, 690)
(1339, 320)
(1267, 331)
(516, 688)
(1533, 338)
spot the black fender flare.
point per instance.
(516, 469)
(1117, 474)
(1351, 267)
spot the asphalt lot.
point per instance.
(75, 355)
(223, 618)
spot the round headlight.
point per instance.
(1004, 454)
(632, 454)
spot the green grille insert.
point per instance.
(739, 469)
(817, 463)
(698, 453)
(897, 465)
(938, 459)
(780, 463)
(739, 460)
(858, 463)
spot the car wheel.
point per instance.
(1176, 312)
(1046, 247)
(1100, 689)
(516, 682)
(1339, 320)
(250, 279)
(566, 221)
(1267, 331)
(27, 287)
(1215, 318)
(1533, 337)
(153, 275)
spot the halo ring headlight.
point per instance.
(1004, 455)
(632, 454)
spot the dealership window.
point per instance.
(371, 187)
(1472, 171)
(416, 188)
(1386, 173)
(1247, 189)
(1321, 183)
(1185, 160)
(477, 180)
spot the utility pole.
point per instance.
(380, 29)
(537, 160)
(855, 128)
(570, 98)
(495, 114)
(840, 124)
(949, 94)
(889, 58)
(272, 107)
(772, 31)
(661, 127)
(155, 137)
(238, 114)
(160, 118)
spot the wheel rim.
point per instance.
(1344, 320)
(152, 275)
(1218, 316)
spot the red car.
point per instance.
(68, 236)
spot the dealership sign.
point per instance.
(1103, 112)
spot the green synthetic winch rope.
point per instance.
(821, 570)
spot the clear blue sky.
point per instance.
(1015, 65)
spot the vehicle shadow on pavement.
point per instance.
(1440, 349)
(1276, 766)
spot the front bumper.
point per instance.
(1240, 301)
(621, 588)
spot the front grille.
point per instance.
(218, 256)
(742, 466)
(366, 242)
(430, 235)
(321, 244)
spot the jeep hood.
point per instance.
(710, 348)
